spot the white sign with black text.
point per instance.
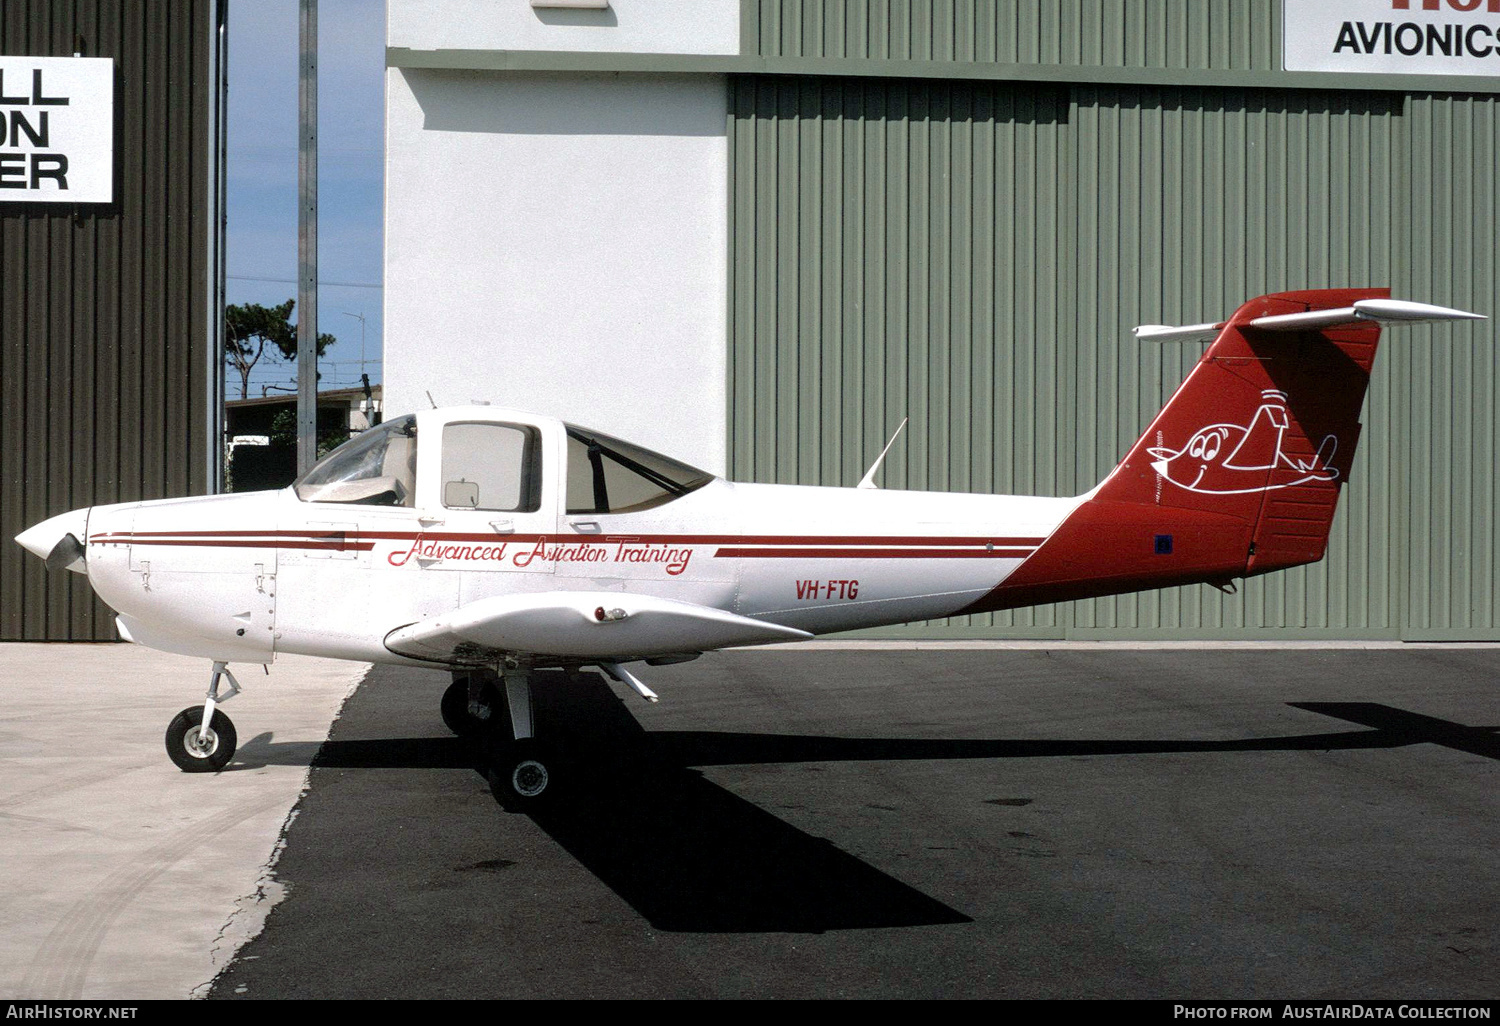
(57, 129)
(1392, 37)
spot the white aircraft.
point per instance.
(492, 542)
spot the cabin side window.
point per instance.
(377, 467)
(606, 475)
(492, 467)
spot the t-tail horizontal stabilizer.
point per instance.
(590, 626)
(1364, 311)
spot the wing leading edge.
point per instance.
(580, 625)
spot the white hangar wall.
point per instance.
(625, 26)
(556, 241)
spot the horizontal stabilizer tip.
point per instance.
(1167, 333)
(1385, 311)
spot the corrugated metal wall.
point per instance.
(1451, 207)
(1203, 34)
(1190, 202)
(896, 248)
(104, 330)
(975, 255)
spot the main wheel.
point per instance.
(455, 709)
(208, 755)
(523, 774)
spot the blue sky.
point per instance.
(262, 175)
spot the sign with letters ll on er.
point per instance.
(57, 129)
(1392, 37)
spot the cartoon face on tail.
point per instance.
(1230, 459)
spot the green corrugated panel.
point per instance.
(1175, 34)
(1191, 201)
(1453, 205)
(896, 249)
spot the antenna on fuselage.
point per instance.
(430, 399)
(868, 481)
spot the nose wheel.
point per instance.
(195, 750)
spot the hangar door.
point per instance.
(1189, 202)
(973, 255)
(1451, 208)
(897, 250)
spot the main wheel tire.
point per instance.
(209, 756)
(523, 774)
(455, 709)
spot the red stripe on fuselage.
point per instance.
(248, 543)
(863, 553)
(364, 539)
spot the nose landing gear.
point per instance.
(201, 739)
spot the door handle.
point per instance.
(503, 526)
(585, 526)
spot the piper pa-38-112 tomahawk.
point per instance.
(493, 543)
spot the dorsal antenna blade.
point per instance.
(868, 481)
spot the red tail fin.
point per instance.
(1263, 430)
(1239, 474)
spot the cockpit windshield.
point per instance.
(606, 475)
(377, 467)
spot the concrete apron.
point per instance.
(125, 877)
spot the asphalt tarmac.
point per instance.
(1304, 823)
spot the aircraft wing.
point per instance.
(580, 625)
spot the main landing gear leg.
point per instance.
(201, 739)
(523, 770)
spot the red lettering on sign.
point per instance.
(1491, 6)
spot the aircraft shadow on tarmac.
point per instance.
(689, 855)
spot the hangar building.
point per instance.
(111, 276)
(758, 233)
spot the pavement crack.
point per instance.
(250, 912)
(248, 917)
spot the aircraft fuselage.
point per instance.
(246, 577)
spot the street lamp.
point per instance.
(361, 318)
(364, 378)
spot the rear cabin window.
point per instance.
(606, 475)
(377, 467)
(491, 467)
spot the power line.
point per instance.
(293, 281)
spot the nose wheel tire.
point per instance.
(195, 754)
(523, 774)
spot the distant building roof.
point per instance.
(332, 397)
